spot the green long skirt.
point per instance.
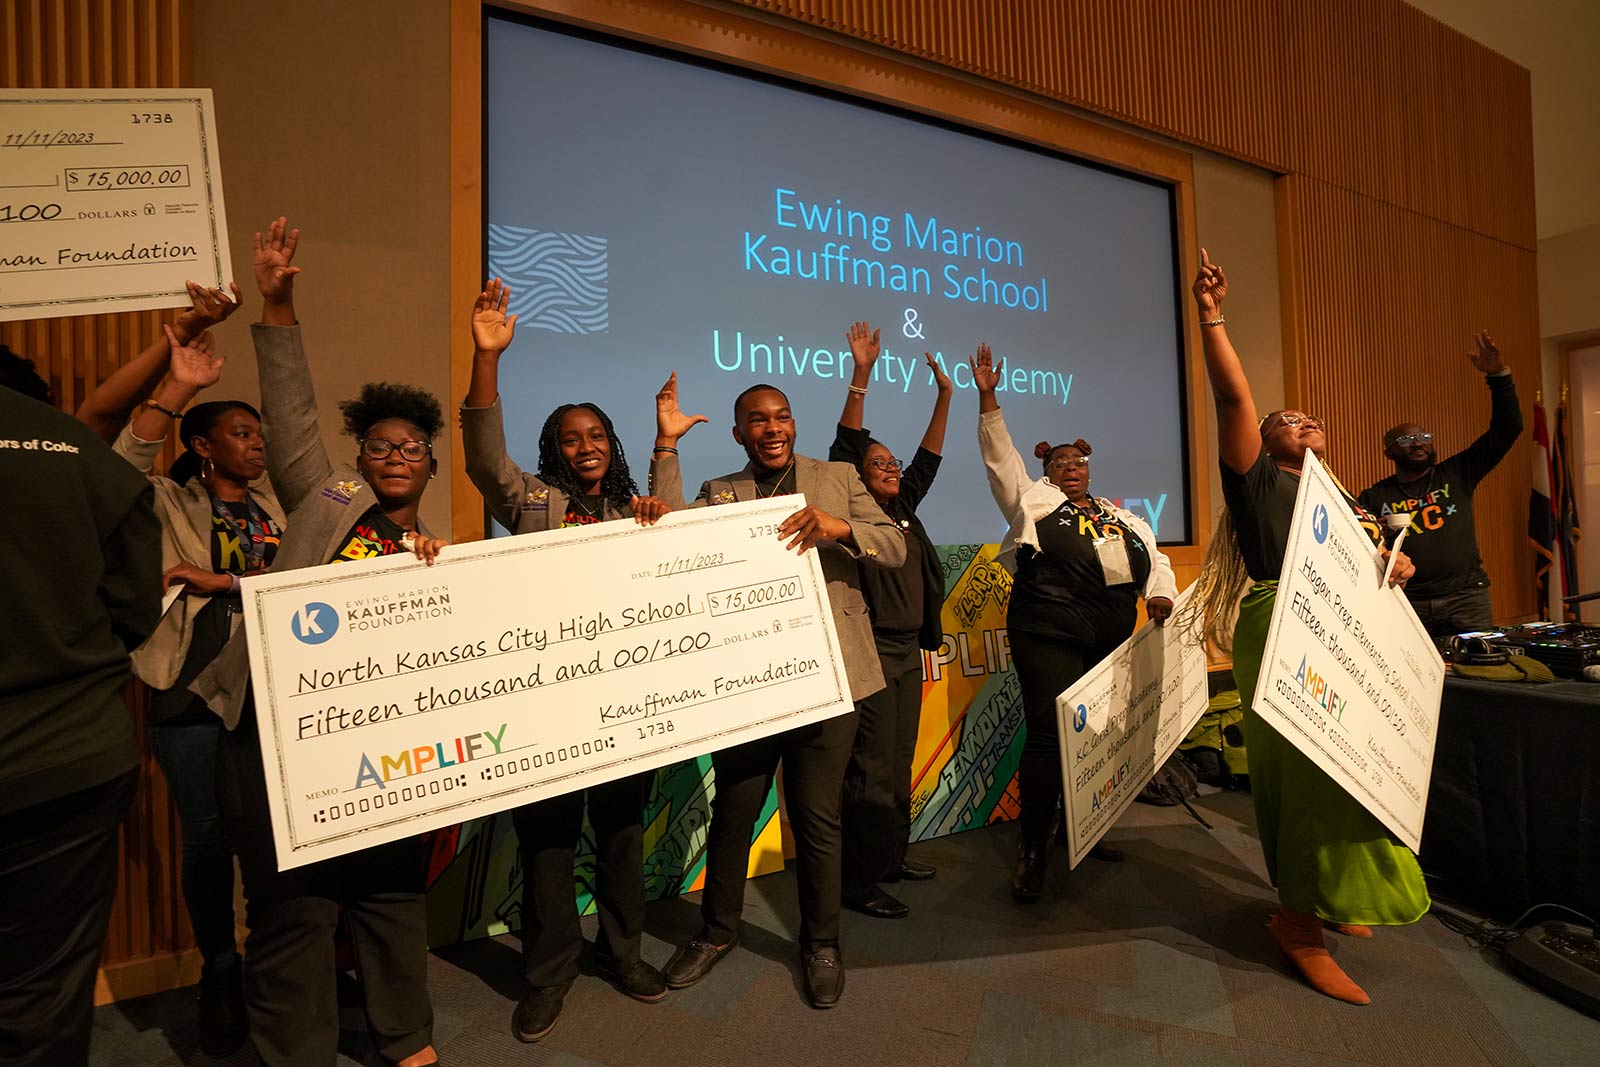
(1325, 852)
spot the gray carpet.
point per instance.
(1162, 959)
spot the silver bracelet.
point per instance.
(1218, 321)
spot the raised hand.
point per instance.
(671, 422)
(1487, 357)
(863, 344)
(985, 375)
(1210, 287)
(272, 261)
(491, 329)
(211, 308)
(940, 378)
(196, 365)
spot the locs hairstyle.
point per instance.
(617, 488)
(385, 400)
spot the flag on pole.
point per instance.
(1564, 499)
(1541, 512)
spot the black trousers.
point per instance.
(876, 814)
(289, 969)
(58, 876)
(1045, 666)
(814, 759)
(548, 833)
(1455, 613)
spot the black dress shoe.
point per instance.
(911, 872)
(223, 1025)
(537, 1012)
(878, 904)
(1106, 852)
(694, 961)
(636, 978)
(1027, 881)
(824, 976)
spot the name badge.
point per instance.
(1112, 552)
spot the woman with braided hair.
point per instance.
(1332, 862)
(1080, 565)
(582, 478)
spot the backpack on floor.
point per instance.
(1216, 748)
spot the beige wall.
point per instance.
(337, 115)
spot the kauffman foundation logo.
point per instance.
(314, 623)
(384, 610)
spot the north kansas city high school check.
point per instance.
(1349, 676)
(394, 698)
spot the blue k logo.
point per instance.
(1080, 719)
(1319, 523)
(315, 623)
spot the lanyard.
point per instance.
(254, 528)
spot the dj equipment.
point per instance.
(1566, 648)
(1561, 959)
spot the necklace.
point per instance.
(777, 484)
(583, 505)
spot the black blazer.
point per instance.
(916, 478)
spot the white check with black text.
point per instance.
(394, 698)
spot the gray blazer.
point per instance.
(519, 501)
(837, 489)
(322, 501)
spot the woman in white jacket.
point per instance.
(1079, 566)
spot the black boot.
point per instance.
(223, 1026)
(1028, 879)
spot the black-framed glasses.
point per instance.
(1070, 463)
(881, 464)
(379, 448)
(1406, 440)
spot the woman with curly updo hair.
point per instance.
(348, 511)
(1080, 564)
(583, 478)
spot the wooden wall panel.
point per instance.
(111, 44)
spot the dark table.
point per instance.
(1514, 807)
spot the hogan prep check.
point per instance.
(394, 698)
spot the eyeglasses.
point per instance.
(1406, 440)
(1294, 420)
(1069, 464)
(881, 464)
(379, 448)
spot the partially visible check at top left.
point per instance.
(110, 199)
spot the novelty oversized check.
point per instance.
(394, 698)
(114, 199)
(1349, 676)
(1122, 720)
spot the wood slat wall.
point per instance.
(111, 44)
(1406, 212)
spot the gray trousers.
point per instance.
(1455, 613)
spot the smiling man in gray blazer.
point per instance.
(847, 529)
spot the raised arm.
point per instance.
(483, 433)
(666, 476)
(297, 460)
(933, 436)
(1237, 433)
(193, 368)
(1008, 475)
(106, 409)
(916, 478)
(864, 352)
(1505, 414)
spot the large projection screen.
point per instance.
(652, 213)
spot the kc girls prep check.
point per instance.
(1349, 676)
(394, 698)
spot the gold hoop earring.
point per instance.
(208, 470)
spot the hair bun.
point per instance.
(1042, 450)
(1082, 446)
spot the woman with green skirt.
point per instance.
(1333, 863)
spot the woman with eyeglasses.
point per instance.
(1080, 566)
(905, 603)
(583, 478)
(1333, 863)
(336, 512)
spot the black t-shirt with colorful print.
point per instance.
(374, 534)
(1060, 589)
(1261, 502)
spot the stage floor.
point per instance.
(1162, 959)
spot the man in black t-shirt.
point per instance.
(1450, 591)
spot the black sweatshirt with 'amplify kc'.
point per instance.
(80, 587)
